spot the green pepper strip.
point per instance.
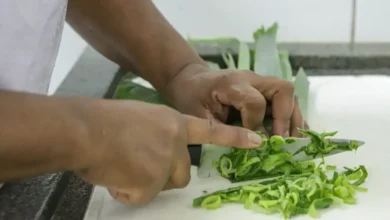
(234, 197)
(273, 193)
(330, 168)
(268, 203)
(212, 202)
(255, 188)
(319, 204)
(276, 142)
(225, 170)
(363, 176)
(294, 197)
(282, 192)
(198, 201)
(249, 201)
(245, 168)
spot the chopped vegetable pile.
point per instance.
(271, 160)
(300, 188)
(292, 194)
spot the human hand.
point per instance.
(138, 149)
(209, 94)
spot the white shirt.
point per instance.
(30, 35)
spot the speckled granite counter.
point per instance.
(65, 197)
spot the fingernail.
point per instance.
(255, 139)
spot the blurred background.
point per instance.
(300, 21)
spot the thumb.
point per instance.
(202, 131)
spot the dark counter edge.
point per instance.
(65, 196)
(313, 55)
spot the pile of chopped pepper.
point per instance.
(270, 160)
(300, 186)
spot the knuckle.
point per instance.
(287, 86)
(173, 128)
(182, 176)
(138, 197)
(173, 123)
(227, 78)
(167, 110)
(233, 76)
(242, 74)
(214, 131)
(241, 137)
(296, 99)
(182, 181)
(306, 125)
(249, 72)
(132, 196)
(213, 127)
(271, 78)
(253, 101)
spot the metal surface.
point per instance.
(212, 153)
(301, 142)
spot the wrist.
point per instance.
(77, 134)
(40, 135)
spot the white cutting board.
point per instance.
(358, 107)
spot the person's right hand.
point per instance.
(139, 149)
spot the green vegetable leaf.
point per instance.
(244, 59)
(267, 61)
(285, 65)
(130, 90)
(301, 85)
(213, 66)
(229, 60)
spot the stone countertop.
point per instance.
(35, 198)
(65, 196)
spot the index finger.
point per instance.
(202, 131)
(281, 94)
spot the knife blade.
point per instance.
(211, 153)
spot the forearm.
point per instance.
(134, 34)
(38, 135)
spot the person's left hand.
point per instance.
(209, 94)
